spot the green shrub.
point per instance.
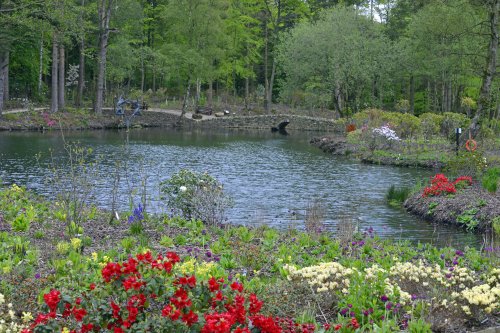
(430, 124)
(396, 196)
(467, 164)
(196, 195)
(495, 223)
(451, 121)
(491, 179)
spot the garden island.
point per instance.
(249, 166)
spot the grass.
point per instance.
(397, 196)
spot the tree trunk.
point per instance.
(412, 94)
(271, 84)
(62, 80)
(266, 60)
(143, 72)
(40, 68)
(81, 74)
(104, 17)
(6, 81)
(198, 93)
(490, 69)
(186, 99)
(247, 92)
(54, 87)
(81, 67)
(4, 59)
(210, 93)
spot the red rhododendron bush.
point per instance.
(143, 294)
(440, 184)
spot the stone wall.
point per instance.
(266, 122)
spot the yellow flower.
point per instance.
(27, 317)
(94, 256)
(76, 243)
(65, 330)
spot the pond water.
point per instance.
(272, 178)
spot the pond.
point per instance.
(272, 178)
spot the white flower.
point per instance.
(183, 188)
(387, 133)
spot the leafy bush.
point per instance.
(491, 178)
(430, 124)
(196, 195)
(452, 120)
(468, 164)
(440, 184)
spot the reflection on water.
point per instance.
(272, 178)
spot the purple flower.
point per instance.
(366, 313)
(414, 297)
(208, 254)
(349, 306)
(459, 253)
(442, 256)
(343, 312)
(353, 314)
(203, 232)
(455, 262)
(37, 276)
(388, 306)
(384, 298)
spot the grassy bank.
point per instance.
(351, 280)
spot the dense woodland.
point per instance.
(407, 55)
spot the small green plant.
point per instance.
(128, 243)
(136, 228)
(495, 224)
(74, 229)
(490, 179)
(21, 223)
(39, 234)
(166, 241)
(467, 218)
(180, 240)
(432, 207)
(396, 196)
(419, 326)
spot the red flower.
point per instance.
(92, 286)
(241, 330)
(218, 322)
(180, 299)
(87, 328)
(173, 257)
(116, 310)
(337, 327)
(189, 281)
(190, 318)
(118, 330)
(237, 286)
(52, 299)
(79, 314)
(255, 304)
(213, 285)
(265, 324)
(111, 271)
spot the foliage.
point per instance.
(490, 179)
(196, 195)
(468, 164)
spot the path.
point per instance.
(188, 115)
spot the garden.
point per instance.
(71, 267)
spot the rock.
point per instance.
(219, 114)
(197, 116)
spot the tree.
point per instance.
(493, 10)
(104, 10)
(335, 60)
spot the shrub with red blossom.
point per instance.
(441, 185)
(142, 294)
